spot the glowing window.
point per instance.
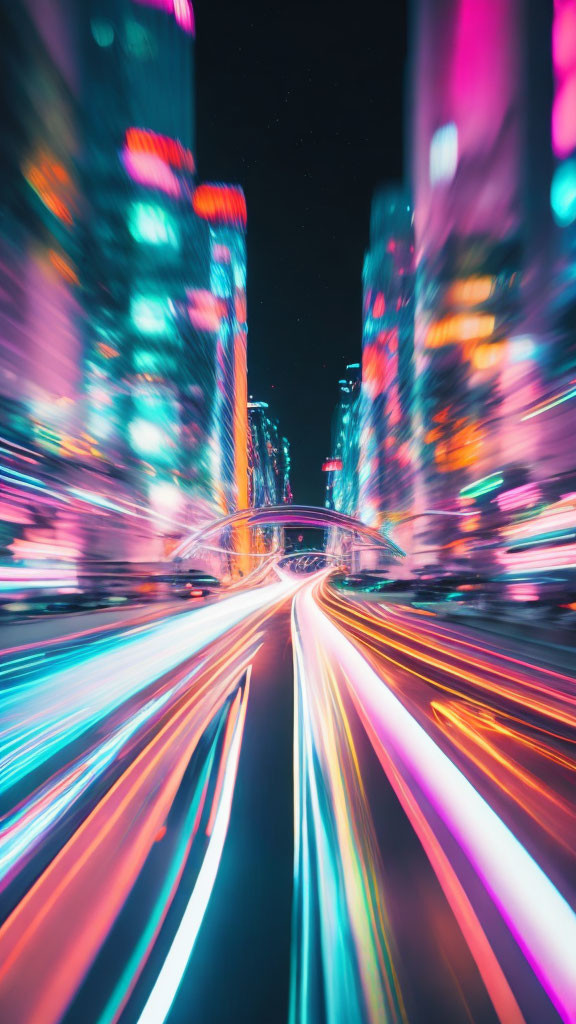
(444, 154)
(139, 42)
(150, 315)
(155, 363)
(146, 438)
(563, 193)
(220, 204)
(102, 31)
(151, 223)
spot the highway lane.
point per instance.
(51, 629)
(241, 964)
(478, 745)
(292, 806)
(114, 729)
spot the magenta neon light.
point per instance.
(181, 9)
(537, 914)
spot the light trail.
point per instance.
(537, 914)
(24, 828)
(341, 944)
(162, 996)
(43, 715)
(114, 832)
(101, 862)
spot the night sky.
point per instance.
(302, 103)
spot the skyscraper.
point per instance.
(149, 371)
(268, 459)
(166, 363)
(223, 208)
(385, 454)
(342, 491)
(40, 313)
(123, 302)
(467, 159)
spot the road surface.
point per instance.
(290, 805)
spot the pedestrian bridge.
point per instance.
(223, 534)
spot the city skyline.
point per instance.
(287, 512)
(309, 151)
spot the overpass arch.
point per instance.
(287, 516)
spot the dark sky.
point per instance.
(301, 102)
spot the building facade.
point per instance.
(385, 451)
(342, 479)
(268, 459)
(123, 298)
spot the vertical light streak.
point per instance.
(240, 434)
(341, 964)
(170, 977)
(146, 940)
(538, 916)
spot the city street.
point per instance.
(287, 805)
(288, 512)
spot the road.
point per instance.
(289, 805)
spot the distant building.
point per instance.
(268, 459)
(385, 450)
(342, 492)
(223, 207)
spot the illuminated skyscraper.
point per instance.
(561, 364)
(342, 491)
(39, 206)
(268, 459)
(149, 374)
(166, 324)
(385, 454)
(40, 314)
(223, 208)
(494, 151)
(467, 159)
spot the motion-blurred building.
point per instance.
(464, 415)
(467, 149)
(494, 176)
(342, 481)
(123, 298)
(40, 311)
(268, 459)
(385, 453)
(166, 364)
(223, 208)
(371, 472)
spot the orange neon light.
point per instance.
(461, 327)
(222, 204)
(138, 140)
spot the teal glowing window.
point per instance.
(157, 363)
(152, 224)
(150, 315)
(563, 193)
